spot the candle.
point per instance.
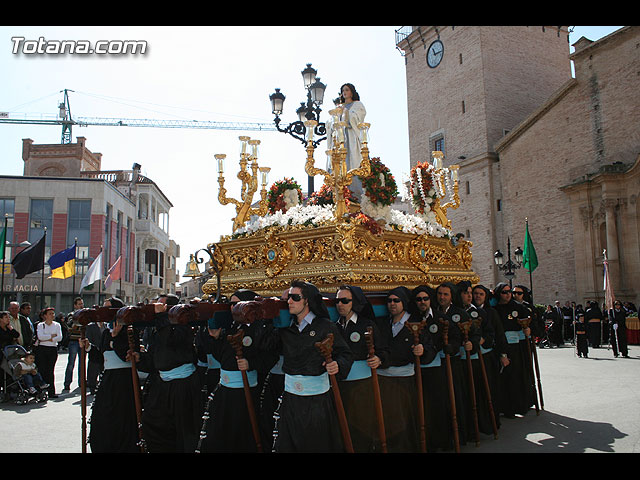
(220, 158)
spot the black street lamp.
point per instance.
(193, 271)
(307, 111)
(510, 266)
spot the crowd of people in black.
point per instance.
(592, 326)
(427, 369)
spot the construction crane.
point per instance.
(67, 122)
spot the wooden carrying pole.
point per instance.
(83, 388)
(416, 328)
(535, 360)
(487, 389)
(325, 347)
(368, 336)
(452, 398)
(135, 378)
(524, 323)
(464, 327)
(236, 342)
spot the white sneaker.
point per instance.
(33, 390)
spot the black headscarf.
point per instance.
(314, 298)
(115, 302)
(498, 289)
(404, 294)
(360, 303)
(419, 289)
(488, 295)
(461, 286)
(245, 294)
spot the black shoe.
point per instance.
(53, 395)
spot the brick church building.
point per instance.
(535, 142)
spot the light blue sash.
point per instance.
(436, 362)
(485, 350)
(402, 371)
(514, 336)
(359, 370)
(112, 361)
(183, 371)
(233, 378)
(304, 385)
(212, 363)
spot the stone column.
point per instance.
(609, 205)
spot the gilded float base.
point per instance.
(336, 254)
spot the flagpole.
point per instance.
(4, 248)
(100, 279)
(75, 266)
(42, 279)
(526, 219)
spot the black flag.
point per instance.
(29, 260)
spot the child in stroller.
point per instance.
(21, 376)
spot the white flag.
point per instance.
(93, 274)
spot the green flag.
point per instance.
(3, 242)
(530, 259)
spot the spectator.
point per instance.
(48, 335)
(27, 370)
(73, 346)
(25, 311)
(22, 325)
(8, 334)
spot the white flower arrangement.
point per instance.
(374, 210)
(296, 215)
(316, 215)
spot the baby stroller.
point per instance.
(544, 341)
(13, 387)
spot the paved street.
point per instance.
(590, 405)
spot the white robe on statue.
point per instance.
(353, 114)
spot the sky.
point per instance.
(214, 73)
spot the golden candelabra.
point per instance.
(338, 177)
(442, 187)
(249, 183)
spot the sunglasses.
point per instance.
(515, 292)
(344, 300)
(393, 300)
(296, 297)
(505, 292)
(422, 299)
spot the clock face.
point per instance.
(434, 54)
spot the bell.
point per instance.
(192, 268)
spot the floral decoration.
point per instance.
(379, 186)
(283, 195)
(367, 222)
(324, 196)
(424, 187)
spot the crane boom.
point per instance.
(143, 122)
(67, 122)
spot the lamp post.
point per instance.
(193, 271)
(307, 111)
(510, 266)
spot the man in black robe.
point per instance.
(517, 390)
(171, 418)
(356, 316)
(618, 333)
(307, 419)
